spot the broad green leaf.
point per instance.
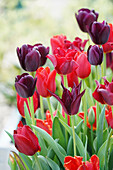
(27, 116)
(43, 146)
(43, 162)
(57, 132)
(26, 160)
(10, 135)
(70, 150)
(86, 149)
(78, 127)
(19, 161)
(110, 163)
(12, 163)
(51, 142)
(68, 128)
(52, 164)
(50, 153)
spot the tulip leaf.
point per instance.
(26, 160)
(78, 127)
(43, 162)
(12, 163)
(70, 147)
(10, 135)
(50, 153)
(51, 142)
(68, 128)
(42, 145)
(52, 164)
(19, 161)
(110, 164)
(27, 115)
(58, 132)
(100, 128)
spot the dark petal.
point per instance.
(107, 96)
(22, 90)
(43, 51)
(76, 104)
(104, 34)
(32, 60)
(67, 99)
(20, 76)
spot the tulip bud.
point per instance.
(99, 32)
(95, 55)
(91, 116)
(85, 17)
(25, 85)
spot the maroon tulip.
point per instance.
(104, 93)
(31, 57)
(70, 100)
(95, 55)
(86, 17)
(99, 32)
(63, 61)
(25, 85)
(25, 140)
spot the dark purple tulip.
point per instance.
(95, 55)
(25, 85)
(86, 17)
(70, 100)
(31, 57)
(99, 32)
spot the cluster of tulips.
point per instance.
(77, 134)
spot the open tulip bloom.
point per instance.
(68, 118)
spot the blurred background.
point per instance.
(31, 22)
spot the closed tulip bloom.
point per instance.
(21, 101)
(99, 32)
(70, 101)
(72, 78)
(104, 93)
(95, 55)
(31, 57)
(63, 61)
(25, 85)
(85, 17)
(45, 81)
(76, 163)
(84, 68)
(25, 140)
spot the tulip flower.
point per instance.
(104, 93)
(109, 60)
(45, 81)
(45, 124)
(108, 46)
(72, 78)
(70, 100)
(21, 100)
(99, 32)
(109, 117)
(72, 163)
(85, 17)
(25, 85)
(84, 68)
(31, 57)
(25, 140)
(95, 55)
(63, 61)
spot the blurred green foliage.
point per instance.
(31, 22)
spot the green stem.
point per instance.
(42, 107)
(97, 123)
(31, 107)
(50, 108)
(92, 138)
(65, 81)
(91, 82)
(73, 130)
(85, 113)
(38, 166)
(106, 150)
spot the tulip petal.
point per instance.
(22, 90)
(107, 96)
(51, 85)
(53, 59)
(68, 66)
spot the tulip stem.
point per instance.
(42, 107)
(92, 138)
(38, 166)
(106, 149)
(31, 107)
(85, 113)
(97, 123)
(50, 108)
(73, 130)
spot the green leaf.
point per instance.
(27, 116)
(100, 128)
(70, 150)
(12, 163)
(86, 149)
(51, 142)
(110, 163)
(19, 161)
(50, 153)
(11, 136)
(52, 164)
(43, 146)
(68, 128)
(78, 127)
(57, 132)
(26, 160)
(43, 162)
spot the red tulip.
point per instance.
(25, 140)
(109, 117)
(72, 78)
(46, 124)
(63, 60)
(84, 68)
(45, 81)
(21, 100)
(76, 163)
(108, 46)
(104, 93)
